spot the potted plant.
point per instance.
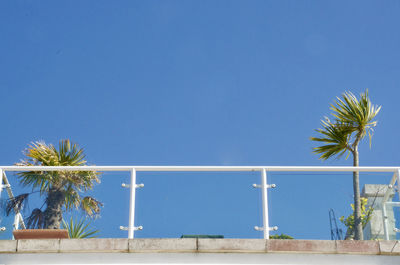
(61, 189)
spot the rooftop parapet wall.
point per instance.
(189, 245)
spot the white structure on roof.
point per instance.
(374, 229)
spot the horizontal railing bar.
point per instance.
(203, 168)
(393, 203)
(66, 168)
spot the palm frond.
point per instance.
(336, 136)
(16, 204)
(91, 206)
(39, 153)
(72, 199)
(79, 229)
(358, 113)
(36, 219)
(354, 118)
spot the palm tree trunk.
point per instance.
(358, 230)
(53, 213)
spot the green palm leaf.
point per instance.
(336, 135)
(80, 228)
(354, 118)
(356, 113)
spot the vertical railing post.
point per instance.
(16, 221)
(131, 227)
(264, 188)
(385, 221)
(1, 181)
(398, 181)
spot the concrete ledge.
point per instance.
(301, 246)
(389, 247)
(110, 245)
(163, 245)
(38, 245)
(232, 245)
(192, 245)
(8, 246)
(358, 247)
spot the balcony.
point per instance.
(204, 251)
(263, 186)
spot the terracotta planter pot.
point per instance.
(40, 233)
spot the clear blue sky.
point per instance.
(200, 83)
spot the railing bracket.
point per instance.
(136, 228)
(124, 185)
(269, 186)
(274, 228)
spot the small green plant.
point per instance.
(281, 236)
(79, 229)
(365, 215)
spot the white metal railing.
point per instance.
(392, 186)
(262, 169)
(18, 220)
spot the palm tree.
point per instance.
(353, 120)
(61, 189)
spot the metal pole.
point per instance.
(131, 227)
(1, 181)
(398, 181)
(16, 221)
(385, 221)
(265, 202)
(11, 196)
